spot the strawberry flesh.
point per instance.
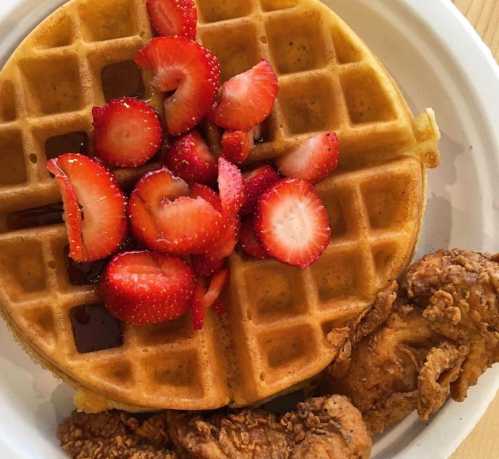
(145, 288)
(231, 187)
(247, 99)
(313, 160)
(249, 242)
(165, 219)
(173, 17)
(127, 132)
(183, 66)
(94, 206)
(237, 146)
(210, 298)
(190, 159)
(292, 223)
(205, 192)
(256, 183)
(214, 256)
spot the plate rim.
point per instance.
(438, 15)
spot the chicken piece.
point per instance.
(327, 428)
(246, 434)
(114, 434)
(459, 294)
(440, 336)
(319, 428)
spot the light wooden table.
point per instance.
(483, 442)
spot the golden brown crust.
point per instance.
(441, 335)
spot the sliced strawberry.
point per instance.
(197, 307)
(292, 223)
(144, 288)
(173, 17)
(217, 284)
(214, 256)
(247, 99)
(249, 241)
(205, 266)
(165, 220)
(190, 159)
(127, 132)
(256, 183)
(94, 206)
(205, 192)
(237, 146)
(313, 160)
(206, 299)
(231, 187)
(187, 68)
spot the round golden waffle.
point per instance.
(280, 320)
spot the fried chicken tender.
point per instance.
(421, 343)
(329, 427)
(319, 428)
(115, 434)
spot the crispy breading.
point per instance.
(114, 434)
(441, 334)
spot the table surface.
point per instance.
(483, 442)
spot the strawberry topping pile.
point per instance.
(190, 214)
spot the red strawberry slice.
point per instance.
(249, 241)
(237, 146)
(187, 68)
(247, 99)
(166, 220)
(256, 183)
(231, 187)
(214, 256)
(292, 223)
(197, 307)
(94, 206)
(205, 299)
(127, 132)
(173, 17)
(206, 266)
(190, 159)
(313, 160)
(205, 192)
(145, 288)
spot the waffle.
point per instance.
(277, 333)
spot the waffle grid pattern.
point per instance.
(279, 318)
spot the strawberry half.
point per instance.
(256, 183)
(187, 68)
(94, 206)
(249, 242)
(247, 99)
(237, 146)
(206, 299)
(190, 159)
(230, 186)
(313, 160)
(164, 219)
(127, 132)
(145, 288)
(173, 17)
(292, 223)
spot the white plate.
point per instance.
(439, 61)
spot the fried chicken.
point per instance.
(115, 434)
(319, 428)
(423, 342)
(328, 427)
